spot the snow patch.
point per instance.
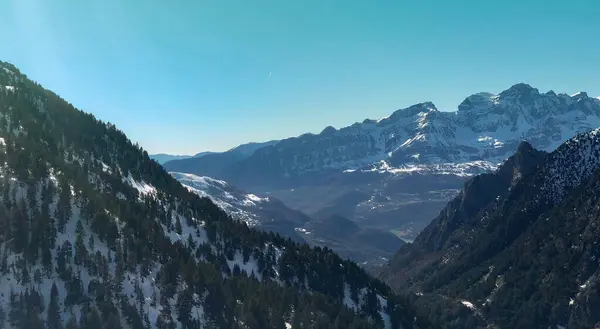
(468, 304)
(250, 267)
(142, 187)
(252, 200)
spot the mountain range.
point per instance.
(395, 174)
(483, 132)
(95, 234)
(517, 248)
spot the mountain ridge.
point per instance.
(485, 127)
(521, 254)
(97, 235)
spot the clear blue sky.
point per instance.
(187, 76)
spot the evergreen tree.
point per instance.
(53, 320)
(178, 225)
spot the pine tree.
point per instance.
(178, 225)
(63, 208)
(81, 254)
(91, 242)
(2, 316)
(53, 320)
(112, 321)
(184, 306)
(93, 320)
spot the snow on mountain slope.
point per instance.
(270, 214)
(240, 205)
(572, 163)
(94, 234)
(485, 128)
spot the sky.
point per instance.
(182, 77)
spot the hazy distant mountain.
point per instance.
(212, 163)
(162, 157)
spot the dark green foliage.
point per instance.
(72, 160)
(53, 320)
(522, 258)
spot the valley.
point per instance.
(395, 174)
(103, 231)
(299, 164)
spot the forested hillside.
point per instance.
(94, 234)
(518, 248)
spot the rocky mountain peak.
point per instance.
(520, 89)
(479, 101)
(579, 96)
(328, 130)
(413, 110)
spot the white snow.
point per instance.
(572, 163)
(252, 200)
(8, 71)
(142, 187)
(486, 128)
(301, 230)
(237, 204)
(387, 323)
(465, 169)
(351, 304)
(106, 168)
(468, 304)
(251, 267)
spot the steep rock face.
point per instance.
(477, 194)
(526, 233)
(95, 234)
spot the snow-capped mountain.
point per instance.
(483, 132)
